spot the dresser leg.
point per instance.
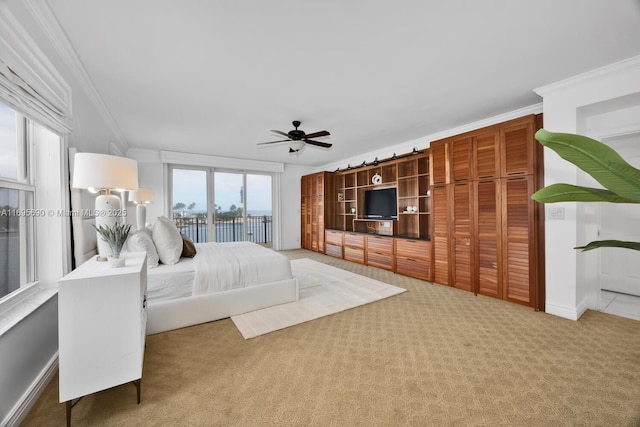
(69, 413)
(138, 384)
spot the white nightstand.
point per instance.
(102, 319)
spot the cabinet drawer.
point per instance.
(380, 244)
(354, 240)
(419, 249)
(413, 267)
(382, 260)
(333, 237)
(333, 250)
(354, 254)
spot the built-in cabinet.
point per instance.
(465, 217)
(486, 232)
(314, 210)
(401, 244)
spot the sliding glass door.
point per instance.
(190, 201)
(229, 206)
(222, 205)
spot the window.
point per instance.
(222, 206)
(17, 267)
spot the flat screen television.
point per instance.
(381, 203)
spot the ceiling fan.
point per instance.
(298, 138)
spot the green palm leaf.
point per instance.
(610, 244)
(572, 193)
(597, 159)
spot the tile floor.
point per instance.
(620, 304)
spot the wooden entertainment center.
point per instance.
(464, 216)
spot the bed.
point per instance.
(222, 280)
(239, 277)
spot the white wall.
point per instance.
(28, 346)
(568, 106)
(153, 173)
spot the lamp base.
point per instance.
(107, 209)
(141, 216)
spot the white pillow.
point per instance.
(167, 239)
(141, 241)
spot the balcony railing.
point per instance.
(227, 229)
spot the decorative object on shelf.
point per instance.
(114, 236)
(102, 172)
(376, 161)
(353, 210)
(341, 197)
(141, 198)
(376, 179)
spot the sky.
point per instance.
(190, 186)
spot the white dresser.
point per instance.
(102, 320)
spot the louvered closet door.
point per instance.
(460, 151)
(518, 241)
(439, 200)
(438, 164)
(462, 248)
(518, 149)
(487, 155)
(488, 242)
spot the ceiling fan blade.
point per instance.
(317, 134)
(274, 142)
(286, 135)
(318, 143)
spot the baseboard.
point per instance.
(20, 411)
(571, 313)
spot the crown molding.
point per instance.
(425, 141)
(189, 159)
(617, 68)
(44, 16)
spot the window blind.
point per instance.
(23, 97)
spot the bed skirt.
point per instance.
(179, 313)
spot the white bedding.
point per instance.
(217, 267)
(166, 282)
(224, 266)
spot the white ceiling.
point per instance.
(215, 77)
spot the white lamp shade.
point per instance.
(103, 171)
(141, 195)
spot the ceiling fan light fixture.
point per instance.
(296, 145)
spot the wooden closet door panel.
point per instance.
(461, 165)
(461, 229)
(440, 213)
(518, 241)
(439, 163)
(518, 149)
(488, 242)
(487, 155)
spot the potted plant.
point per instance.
(620, 180)
(115, 236)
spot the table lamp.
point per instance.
(102, 172)
(141, 198)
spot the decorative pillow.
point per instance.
(167, 239)
(141, 241)
(188, 248)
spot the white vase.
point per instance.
(116, 262)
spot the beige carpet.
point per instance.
(433, 356)
(324, 290)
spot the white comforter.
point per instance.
(223, 266)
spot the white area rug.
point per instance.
(323, 289)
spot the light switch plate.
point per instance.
(556, 212)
